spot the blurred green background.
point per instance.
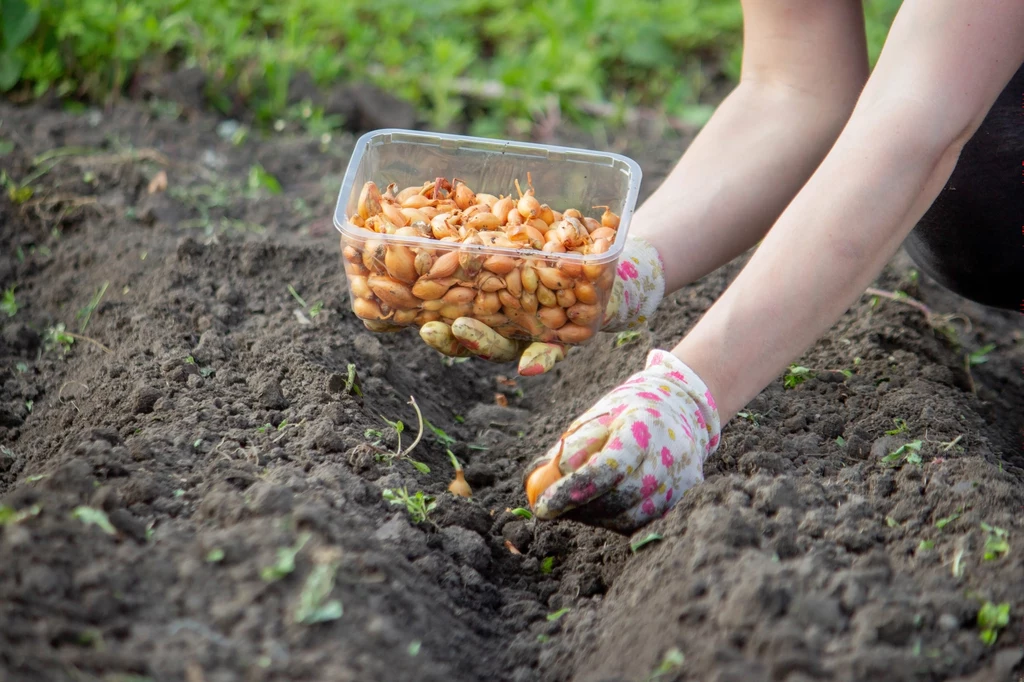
(494, 63)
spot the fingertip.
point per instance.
(540, 357)
(483, 341)
(466, 328)
(438, 336)
(532, 369)
(543, 513)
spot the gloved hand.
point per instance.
(629, 458)
(638, 289)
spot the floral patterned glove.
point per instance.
(638, 289)
(629, 458)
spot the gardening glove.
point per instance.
(637, 291)
(629, 458)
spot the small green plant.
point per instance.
(670, 662)
(439, 433)
(925, 545)
(313, 310)
(946, 520)
(980, 356)
(626, 337)
(285, 563)
(901, 427)
(18, 194)
(796, 376)
(94, 517)
(414, 647)
(547, 565)
(419, 505)
(259, 179)
(523, 513)
(992, 619)
(908, 453)
(752, 417)
(646, 540)
(558, 614)
(399, 453)
(58, 337)
(314, 605)
(449, 361)
(19, 22)
(351, 383)
(215, 556)
(8, 303)
(10, 515)
(85, 314)
(996, 542)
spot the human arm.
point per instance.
(799, 82)
(943, 66)
(804, 64)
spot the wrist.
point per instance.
(684, 382)
(639, 286)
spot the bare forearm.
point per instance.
(881, 176)
(737, 176)
(825, 249)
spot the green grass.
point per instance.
(651, 53)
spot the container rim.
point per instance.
(363, 143)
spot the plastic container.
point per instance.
(562, 177)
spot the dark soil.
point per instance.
(206, 413)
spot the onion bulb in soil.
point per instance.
(458, 486)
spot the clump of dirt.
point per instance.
(194, 465)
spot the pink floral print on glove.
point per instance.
(638, 289)
(629, 458)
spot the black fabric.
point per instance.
(971, 240)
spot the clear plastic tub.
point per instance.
(562, 178)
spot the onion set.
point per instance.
(538, 294)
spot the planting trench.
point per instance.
(209, 419)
